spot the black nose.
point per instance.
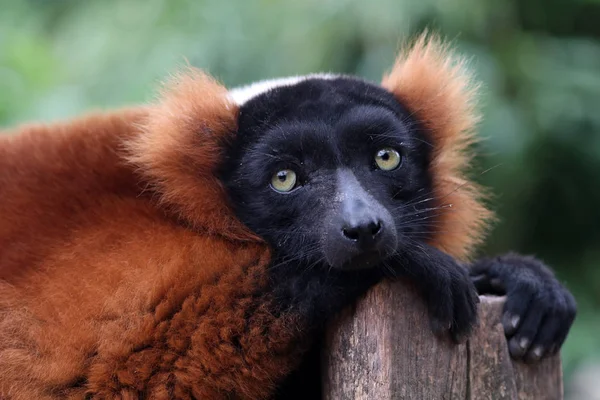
(365, 233)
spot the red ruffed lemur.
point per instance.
(194, 248)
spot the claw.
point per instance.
(514, 321)
(523, 343)
(510, 323)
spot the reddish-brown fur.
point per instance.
(120, 284)
(434, 85)
(123, 273)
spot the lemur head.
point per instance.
(329, 169)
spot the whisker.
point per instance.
(424, 210)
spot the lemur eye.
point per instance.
(388, 159)
(284, 181)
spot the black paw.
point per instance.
(538, 312)
(452, 302)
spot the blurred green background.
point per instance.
(539, 61)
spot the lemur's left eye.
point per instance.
(284, 181)
(388, 159)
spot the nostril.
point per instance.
(361, 232)
(351, 233)
(375, 228)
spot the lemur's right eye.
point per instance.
(284, 181)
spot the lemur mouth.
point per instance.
(366, 260)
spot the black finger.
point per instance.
(528, 328)
(441, 315)
(482, 283)
(515, 309)
(570, 314)
(465, 313)
(486, 285)
(563, 332)
(441, 306)
(562, 316)
(546, 337)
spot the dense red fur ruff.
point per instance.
(434, 85)
(119, 285)
(123, 273)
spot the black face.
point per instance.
(330, 172)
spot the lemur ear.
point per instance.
(180, 146)
(434, 85)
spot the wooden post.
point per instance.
(383, 348)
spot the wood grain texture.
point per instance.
(382, 348)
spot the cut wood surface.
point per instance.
(383, 348)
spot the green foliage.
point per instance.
(539, 61)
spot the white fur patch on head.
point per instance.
(242, 94)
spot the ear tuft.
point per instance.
(180, 148)
(434, 85)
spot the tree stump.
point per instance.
(382, 348)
